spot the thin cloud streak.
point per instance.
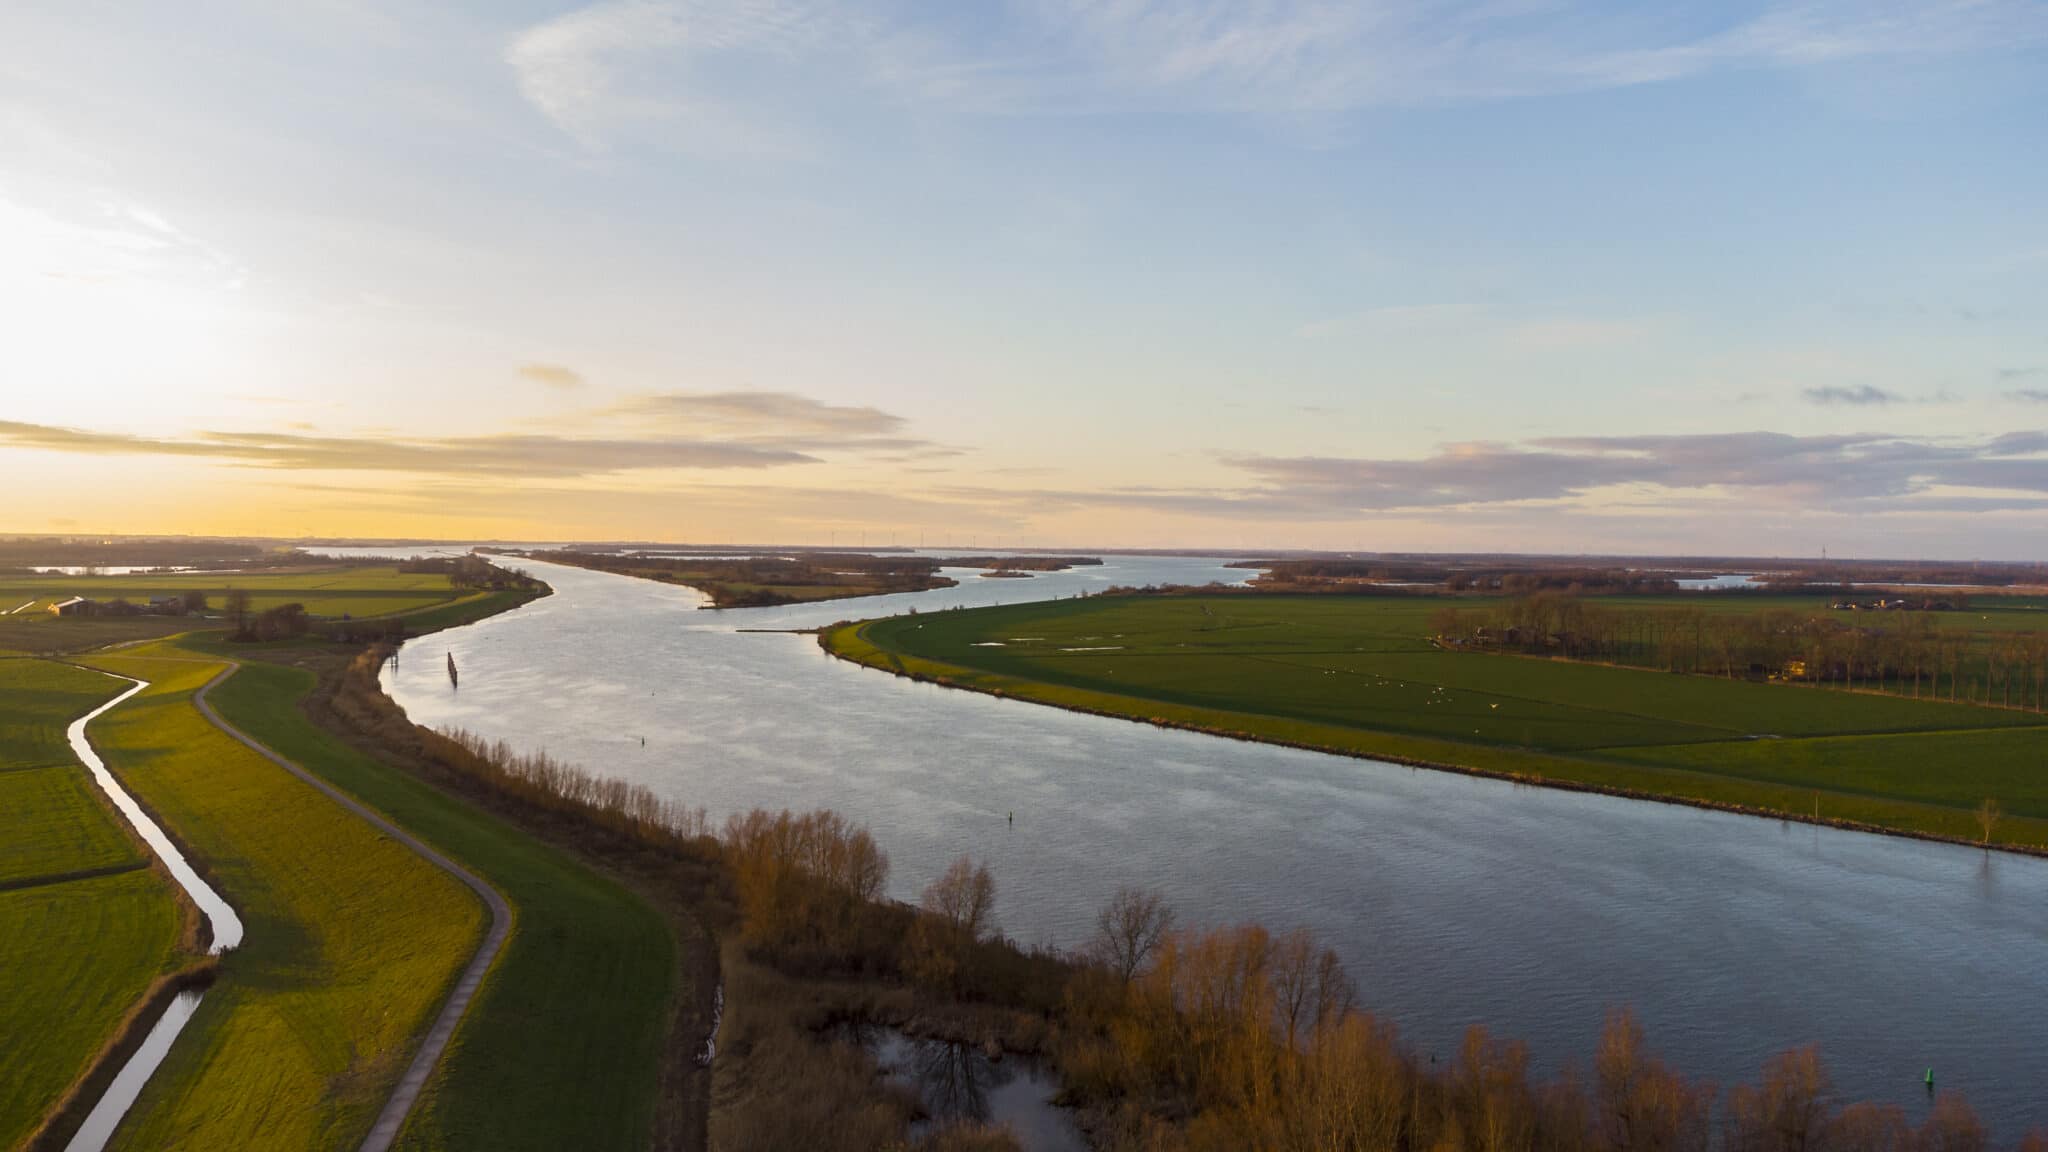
(710, 430)
(1870, 473)
(598, 67)
(553, 375)
(506, 455)
(1861, 396)
(778, 414)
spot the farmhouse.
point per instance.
(76, 606)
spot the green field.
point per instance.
(1358, 675)
(78, 956)
(352, 939)
(38, 700)
(325, 591)
(78, 947)
(56, 823)
(425, 600)
(561, 1047)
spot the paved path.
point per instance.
(407, 1091)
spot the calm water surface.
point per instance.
(958, 1083)
(1455, 901)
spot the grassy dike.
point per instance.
(1181, 674)
(352, 939)
(562, 1045)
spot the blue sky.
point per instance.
(1746, 278)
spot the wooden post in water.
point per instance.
(454, 681)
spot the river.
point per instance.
(1454, 900)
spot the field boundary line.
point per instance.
(391, 1119)
(24, 882)
(1887, 734)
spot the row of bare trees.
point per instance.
(1909, 653)
(619, 806)
(1235, 1038)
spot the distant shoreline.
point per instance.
(832, 639)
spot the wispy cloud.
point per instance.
(593, 69)
(552, 375)
(1814, 32)
(775, 414)
(1872, 473)
(1322, 55)
(506, 455)
(720, 430)
(1860, 396)
(2028, 395)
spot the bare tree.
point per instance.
(238, 611)
(964, 897)
(1988, 816)
(1311, 990)
(1788, 1111)
(1129, 930)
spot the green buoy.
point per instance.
(1930, 1079)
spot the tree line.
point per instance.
(1904, 652)
(470, 573)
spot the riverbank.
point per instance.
(605, 988)
(805, 577)
(885, 645)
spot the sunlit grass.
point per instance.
(77, 958)
(76, 952)
(352, 939)
(38, 700)
(342, 590)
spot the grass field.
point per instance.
(78, 956)
(325, 591)
(561, 1048)
(38, 700)
(56, 823)
(1358, 675)
(352, 939)
(468, 609)
(78, 951)
(425, 600)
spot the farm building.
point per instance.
(76, 606)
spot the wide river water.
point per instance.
(1454, 901)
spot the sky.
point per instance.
(1750, 277)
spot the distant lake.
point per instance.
(1716, 583)
(1454, 900)
(106, 569)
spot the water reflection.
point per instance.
(99, 1125)
(960, 1083)
(1453, 900)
